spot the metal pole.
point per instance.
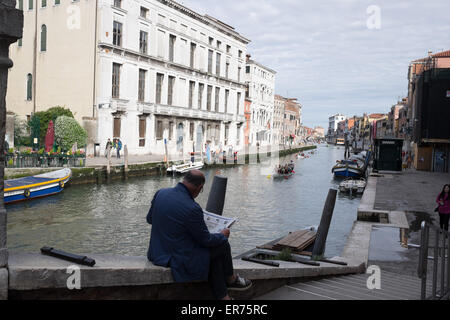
(448, 262)
(322, 232)
(435, 262)
(443, 265)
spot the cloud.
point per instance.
(325, 55)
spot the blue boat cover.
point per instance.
(26, 181)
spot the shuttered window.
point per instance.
(141, 90)
(117, 34)
(227, 94)
(191, 93)
(116, 128)
(201, 87)
(43, 38)
(159, 81)
(159, 129)
(30, 4)
(170, 90)
(116, 80)
(143, 40)
(216, 102)
(29, 87)
(142, 130)
(43, 3)
(208, 98)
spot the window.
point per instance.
(217, 96)
(227, 129)
(159, 129)
(159, 82)
(141, 90)
(239, 74)
(247, 69)
(211, 40)
(170, 130)
(238, 102)
(20, 5)
(144, 12)
(201, 87)
(30, 4)
(143, 36)
(43, 38)
(142, 130)
(116, 80)
(29, 87)
(218, 44)
(118, 3)
(116, 128)
(191, 93)
(218, 64)
(191, 131)
(210, 58)
(208, 98)
(170, 90)
(117, 34)
(192, 62)
(227, 69)
(172, 39)
(19, 42)
(227, 94)
(43, 3)
(228, 49)
(57, 2)
(240, 53)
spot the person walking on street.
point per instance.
(443, 201)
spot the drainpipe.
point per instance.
(94, 94)
(34, 78)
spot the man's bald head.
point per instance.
(194, 181)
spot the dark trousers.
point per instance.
(443, 220)
(118, 153)
(220, 268)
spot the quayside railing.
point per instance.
(440, 244)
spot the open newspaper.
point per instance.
(216, 223)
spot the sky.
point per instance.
(337, 56)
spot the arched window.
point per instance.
(29, 87)
(44, 38)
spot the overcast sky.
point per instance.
(326, 55)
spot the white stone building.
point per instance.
(261, 92)
(144, 71)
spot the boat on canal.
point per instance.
(185, 167)
(37, 186)
(348, 168)
(352, 186)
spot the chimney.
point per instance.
(247, 56)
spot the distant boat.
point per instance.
(36, 186)
(185, 167)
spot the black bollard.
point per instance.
(216, 199)
(325, 221)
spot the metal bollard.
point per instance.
(216, 199)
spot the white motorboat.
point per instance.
(185, 167)
(353, 185)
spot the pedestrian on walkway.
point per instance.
(443, 201)
(118, 147)
(108, 145)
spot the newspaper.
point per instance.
(216, 223)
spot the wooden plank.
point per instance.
(297, 240)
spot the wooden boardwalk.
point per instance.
(350, 287)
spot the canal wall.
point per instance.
(99, 174)
(36, 276)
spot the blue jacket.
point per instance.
(179, 237)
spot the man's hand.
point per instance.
(225, 232)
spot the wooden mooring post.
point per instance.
(325, 221)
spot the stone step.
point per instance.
(291, 293)
(358, 290)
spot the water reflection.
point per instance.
(110, 218)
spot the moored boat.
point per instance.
(352, 185)
(185, 167)
(36, 186)
(347, 168)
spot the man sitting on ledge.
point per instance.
(180, 239)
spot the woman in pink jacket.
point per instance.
(443, 200)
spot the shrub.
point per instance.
(47, 115)
(68, 131)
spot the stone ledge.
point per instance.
(36, 271)
(3, 284)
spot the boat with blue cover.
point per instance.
(36, 186)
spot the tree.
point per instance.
(46, 116)
(68, 131)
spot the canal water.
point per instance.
(110, 218)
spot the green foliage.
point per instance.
(284, 255)
(68, 131)
(41, 151)
(45, 117)
(21, 129)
